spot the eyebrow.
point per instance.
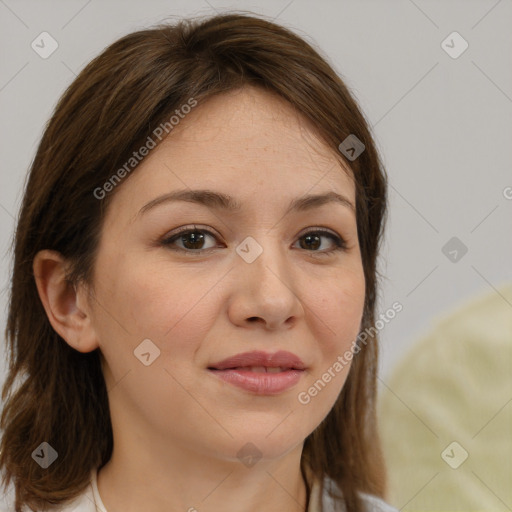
(221, 201)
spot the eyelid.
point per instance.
(339, 241)
(168, 239)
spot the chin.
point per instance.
(263, 446)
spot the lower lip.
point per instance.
(260, 383)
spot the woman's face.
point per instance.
(241, 281)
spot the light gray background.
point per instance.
(443, 125)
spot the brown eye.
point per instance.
(192, 240)
(312, 241)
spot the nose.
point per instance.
(265, 292)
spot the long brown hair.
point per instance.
(56, 394)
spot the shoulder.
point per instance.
(374, 504)
(82, 503)
(371, 503)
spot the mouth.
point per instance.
(257, 369)
(259, 373)
(260, 381)
(261, 362)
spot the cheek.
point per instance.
(176, 308)
(172, 308)
(339, 306)
(339, 309)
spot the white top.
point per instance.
(90, 501)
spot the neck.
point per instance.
(183, 480)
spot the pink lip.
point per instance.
(281, 359)
(260, 383)
(235, 370)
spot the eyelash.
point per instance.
(340, 243)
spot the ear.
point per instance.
(65, 306)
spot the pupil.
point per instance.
(196, 239)
(309, 237)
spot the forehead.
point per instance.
(252, 122)
(250, 144)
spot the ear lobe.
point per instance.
(67, 316)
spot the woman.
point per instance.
(195, 266)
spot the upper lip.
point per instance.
(280, 359)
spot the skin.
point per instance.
(177, 427)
